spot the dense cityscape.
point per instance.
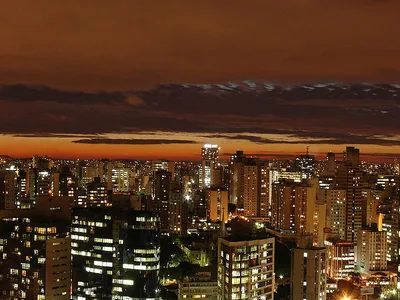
(199, 150)
(236, 228)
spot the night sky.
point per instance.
(83, 79)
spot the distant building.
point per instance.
(97, 193)
(246, 268)
(209, 160)
(305, 164)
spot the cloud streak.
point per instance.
(107, 141)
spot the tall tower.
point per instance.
(251, 187)
(209, 160)
(349, 177)
(161, 197)
(236, 184)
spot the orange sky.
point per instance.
(95, 70)
(63, 148)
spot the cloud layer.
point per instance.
(248, 111)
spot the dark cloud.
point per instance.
(52, 135)
(342, 113)
(42, 93)
(132, 141)
(339, 140)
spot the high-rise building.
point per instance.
(330, 163)
(120, 177)
(308, 271)
(350, 179)
(177, 210)
(97, 193)
(209, 160)
(340, 259)
(251, 188)
(161, 196)
(115, 254)
(294, 206)
(371, 250)
(335, 200)
(389, 219)
(246, 268)
(8, 185)
(265, 204)
(63, 184)
(352, 157)
(236, 179)
(373, 199)
(217, 204)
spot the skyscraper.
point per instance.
(161, 197)
(209, 160)
(350, 179)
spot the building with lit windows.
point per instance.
(335, 200)
(305, 164)
(246, 268)
(35, 259)
(115, 254)
(121, 177)
(63, 184)
(294, 206)
(251, 188)
(371, 250)
(96, 193)
(340, 259)
(209, 160)
(308, 271)
(177, 210)
(202, 285)
(389, 222)
(349, 178)
(161, 196)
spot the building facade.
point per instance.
(246, 268)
